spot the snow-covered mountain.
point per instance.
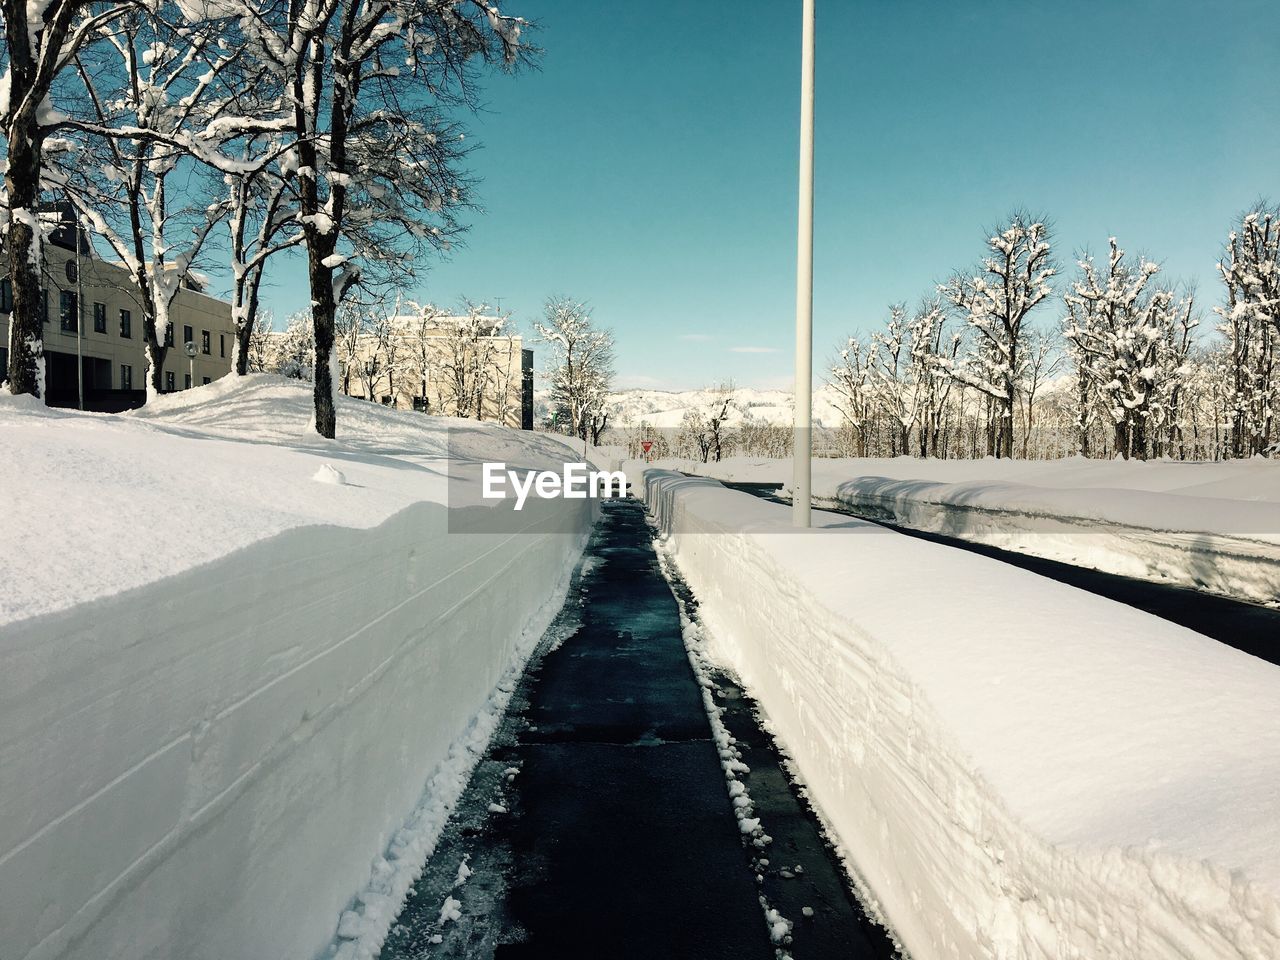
(666, 408)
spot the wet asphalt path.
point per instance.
(1249, 627)
(599, 825)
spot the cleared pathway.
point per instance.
(599, 823)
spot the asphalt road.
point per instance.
(1250, 627)
(599, 823)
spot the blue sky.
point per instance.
(649, 167)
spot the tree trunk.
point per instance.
(26, 318)
(1006, 426)
(155, 353)
(246, 301)
(244, 334)
(323, 314)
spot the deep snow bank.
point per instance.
(1017, 769)
(1213, 526)
(229, 672)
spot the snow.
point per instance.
(226, 685)
(450, 910)
(330, 474)
(1060, 776)
(1213, 526)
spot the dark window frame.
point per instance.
(68, 317)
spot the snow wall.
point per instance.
(1057, 525)
(206, 767)
(1008, 780)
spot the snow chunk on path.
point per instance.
(330, 474)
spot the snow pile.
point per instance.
(1213, 526)
(226, 684)
(330, 474)
(1018, 769)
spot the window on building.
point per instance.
(6, 296)
(68, 311)
(186, 381)
(99, 317)
(126, 324)
(188, 335)
(204, 380)
(169, 381)
(126, 377)
(204, 342)
(44, 305)
(222, 344)
(168, 335)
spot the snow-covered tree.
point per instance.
(1250, 322)
(894, 383)
(294, 349)
(418, 326)
(933, 353)
(41, 42)
(372, 85)
(1124, 336)
(466, 356)
(908, 375)
(155, 106)
(705, 428)
(261, 222)
(995, 302)
(1042, 362)
(261, 346)
(351, 338)
(851, 378)
(581, 368)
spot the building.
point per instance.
(92, 310)
(449, 366)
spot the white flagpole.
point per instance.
(802, 452)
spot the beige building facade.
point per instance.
(92, 311)
(438, 370)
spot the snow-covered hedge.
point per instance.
(1015, 768)
(210, 759)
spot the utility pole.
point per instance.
(79, 233)
(802, 447)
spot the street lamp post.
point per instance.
(802, 448)
(79, 316)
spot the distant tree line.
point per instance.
(1009, 360)
(461, 363)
